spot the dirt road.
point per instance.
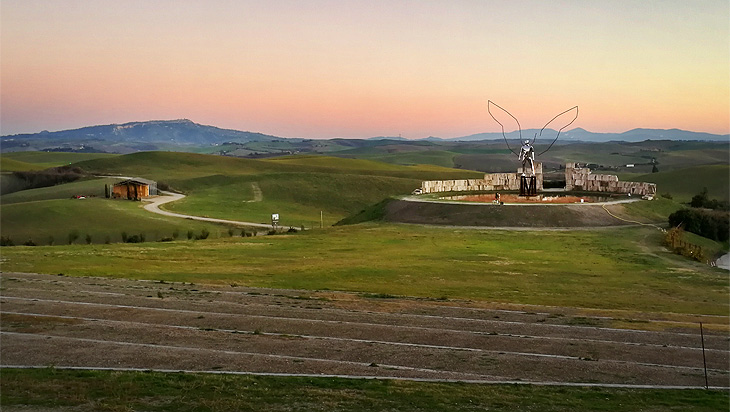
(154, 204)
(116, 323)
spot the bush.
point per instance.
(667, 195)
(713, 225)
(124, 237)
(88, 239)
(191, 234)
(702, 200)
(203, 234)
(72, 236)
(230, 232)
(49, 177)
(175, 234)
(140, 238)
(29, 242)
(674, 240)
(51, 240)
(6, 241)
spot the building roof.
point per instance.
(137, 180)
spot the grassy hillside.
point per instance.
(50, 213)
(44, 160)
(684, 183)
(89, 188)
(302, 189)
(12, 165)
(52, 221)
(296, 187)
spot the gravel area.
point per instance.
(118, 323)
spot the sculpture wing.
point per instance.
(496, 106)
(561, 129)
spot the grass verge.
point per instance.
(154, 391)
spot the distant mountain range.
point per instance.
(578, 134)
(169, 134)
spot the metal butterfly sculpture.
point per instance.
(527, 151)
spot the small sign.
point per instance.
(274, 218)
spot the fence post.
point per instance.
(704, 360)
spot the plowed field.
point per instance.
(114, 323)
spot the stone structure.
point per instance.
(576, 178)
(581, 179)
(491, 182)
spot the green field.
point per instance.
(43, 160)
(623, 268)
(684, 183)
(153, 391)
(300, 188)
(50, 214)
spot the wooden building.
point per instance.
(133, 189)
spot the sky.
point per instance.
(336, 68)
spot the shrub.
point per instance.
(175, 234)
(6, 241)
(191, 234)
(88, 239)
(124, 237)
(667, 195)
(72, 236)
(107, 240)
(203, 234)
(713, 225)
(702, 200)
(51, 240)
(674, 240)
(49, 177)
(29, 242)
(243, 233)
(136, 238)
(230, 232)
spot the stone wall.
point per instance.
(576, 178)
(491, 182)
(581, 178)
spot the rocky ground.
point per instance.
(115, 323)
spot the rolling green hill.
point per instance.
(12, 165)
(302, 189)
(682, 184)
(52, 221)
(299, 188)
(43, 160)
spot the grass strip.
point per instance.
(156, 391)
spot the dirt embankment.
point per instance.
(488, 215)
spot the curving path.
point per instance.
(153, 206)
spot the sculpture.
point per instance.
(527, 151)
(527, 155)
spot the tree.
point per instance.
(700, 199)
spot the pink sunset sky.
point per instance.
(323, 69)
